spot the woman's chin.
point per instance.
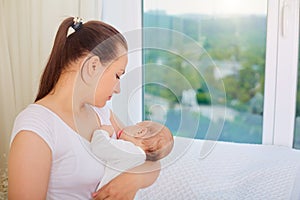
(100, 104)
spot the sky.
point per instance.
(174, 7)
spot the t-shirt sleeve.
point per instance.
(37, 121)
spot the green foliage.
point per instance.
(160, 91)
(238, 40)
(202, 97)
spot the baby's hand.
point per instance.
(108, 129)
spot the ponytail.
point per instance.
(67, 49)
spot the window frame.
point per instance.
(286, 80)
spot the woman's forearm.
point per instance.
(146, 174)
(126, 185)
(116, 122)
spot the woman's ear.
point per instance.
(91, 68)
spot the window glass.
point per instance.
(297, 120)
(204, 64)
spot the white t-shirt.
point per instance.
(75, 171)
(117, 155)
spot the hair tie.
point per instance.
(77, 23)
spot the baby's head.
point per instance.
(154, 138)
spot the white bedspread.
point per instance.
(229, 171)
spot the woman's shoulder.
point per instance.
(35, 118)
(34, 114)
(34, 111)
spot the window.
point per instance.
(204, 67)
(261, 107)
(296, 142)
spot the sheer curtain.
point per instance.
(27, 32)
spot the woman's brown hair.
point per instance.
(94, 37)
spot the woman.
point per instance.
(50, 157)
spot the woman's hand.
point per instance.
(122, 187)
(126, 185)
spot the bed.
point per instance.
(203, 169)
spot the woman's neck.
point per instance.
(63, 96)
(70, 105)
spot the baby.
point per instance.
(146, 140)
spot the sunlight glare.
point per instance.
(211, 7)
(230, 7)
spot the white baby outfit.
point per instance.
(118, 155)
